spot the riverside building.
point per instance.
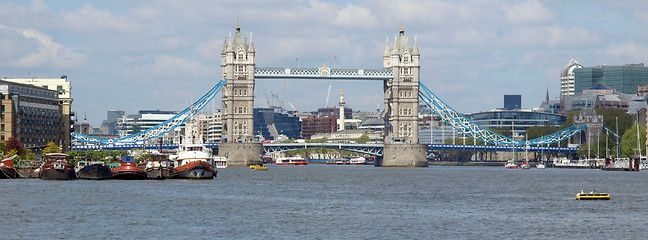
(63, 88)
(33, 115)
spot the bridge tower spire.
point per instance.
(401, 106)
(237, 65)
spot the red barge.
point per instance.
(128, 170)
(57, 167)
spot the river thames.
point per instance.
(333, 202)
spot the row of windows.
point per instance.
(240, 128)
(240, 92)
(240, 110)
(406, 111)
(405, 94)
(405, 129)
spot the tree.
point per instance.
(51, 148)
(14, 144)
(629, 141)
(363, 139)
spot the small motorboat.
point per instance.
(259, 167)
(510, 164)
(593, 195)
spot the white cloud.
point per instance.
(47, 51)
(528, 12)
(627, 52)
(89, 19)
(171, 67)
(352, 16)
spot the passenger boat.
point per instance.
(128, 170)
(220, 162)
(296, 160)
(158, 166)
(592, 196)
(92, 170)
(357, 161)
(57, 167)
(7, 170)
(193, 162)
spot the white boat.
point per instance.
(194, 160)
(510, 164)
(220, 162)
(357, 161)
(296, 160)
(541, 165)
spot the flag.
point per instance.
(297, 59)
(335, 58)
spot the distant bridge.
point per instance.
(375, 149)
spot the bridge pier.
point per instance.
(403, 155)
(241, 154)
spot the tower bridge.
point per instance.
(402, 91)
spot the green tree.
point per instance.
(51, 148)
(629, 141)
(363, 139)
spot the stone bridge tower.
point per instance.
(401, 106)
(237, 64)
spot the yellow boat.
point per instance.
(261, 168)
(254, 166)
(592, 196)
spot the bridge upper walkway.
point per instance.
(375, 149)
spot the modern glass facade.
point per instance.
(624, 78)
(265, 119)
(519, 121)
(512, 102)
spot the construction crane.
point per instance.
(327, 96)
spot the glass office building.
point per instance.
(518, 120)
(271, 123)
(624, 79)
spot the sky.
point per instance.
(163, 54)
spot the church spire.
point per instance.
(238, 26)
(402, 31)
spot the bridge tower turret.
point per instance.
(402, 148)
(237, 64)
(401, 92)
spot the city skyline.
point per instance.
(136, 55)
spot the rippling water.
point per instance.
(333, 202)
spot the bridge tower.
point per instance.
(401, 105)
(237, 64)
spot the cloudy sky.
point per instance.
(132, 55)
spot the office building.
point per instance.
(623, 79)
(512, 102)
(516, 120)
(63, 87)
(270, 123)
(312, 125)
(32, 114)
(567, 84)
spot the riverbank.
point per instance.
(458, 163)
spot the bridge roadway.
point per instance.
(374, 149)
